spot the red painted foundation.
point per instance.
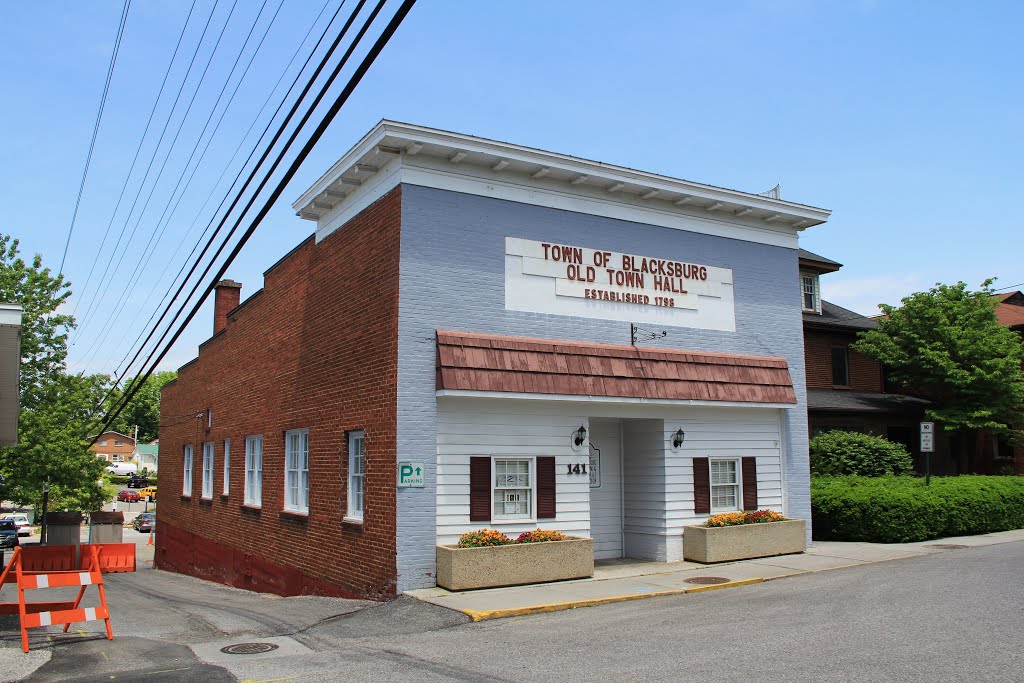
(185, 553)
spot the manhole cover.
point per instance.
(248, 648)
(707, 580)
(946, 546)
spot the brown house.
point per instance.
(114, 447)
(846, 389)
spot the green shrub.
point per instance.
(836, 453)
(904, 509)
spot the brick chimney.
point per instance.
(227, 296)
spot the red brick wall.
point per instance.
(865, 374)
(316, 349)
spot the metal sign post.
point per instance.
(927, 447)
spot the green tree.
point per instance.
(54, 406)
(143, 410)
(948, 344)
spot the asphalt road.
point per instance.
(954, 615)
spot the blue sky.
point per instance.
(904, 118)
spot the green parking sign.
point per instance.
(410, 474)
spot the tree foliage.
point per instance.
(55, 407)
(948, 344)
(838, 452)
(44, 331)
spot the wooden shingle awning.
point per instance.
(478, 362)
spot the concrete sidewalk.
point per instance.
(621, 580)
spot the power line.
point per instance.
(96, 128)
(163, 164)
(142, 184)
(105, 328)
(252, 174)
(325, 121)
(234, 155)
(138, 150)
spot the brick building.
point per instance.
(846, 389)
(467, 308)
(113, 447)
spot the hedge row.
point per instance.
(903, 509)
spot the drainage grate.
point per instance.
(707, 580)
(248, 648)
(947, 546)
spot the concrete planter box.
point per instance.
(512, 565)
(744, 541)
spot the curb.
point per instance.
(486, 615)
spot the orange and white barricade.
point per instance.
(34, 568)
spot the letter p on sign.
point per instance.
(410, 474)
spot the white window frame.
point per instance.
(118, 442)
(186, 481)
(117, 457)
(737, 485)
(207, 492)
(103, 442)
(814, 290)
(227, 466)
(296, 471)
(531, 515)
(253, 471)
(356, 476)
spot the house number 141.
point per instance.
(577, 469)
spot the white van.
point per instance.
(123, 469)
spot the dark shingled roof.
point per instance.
(837, 316)
(478, 362)
(863, 402)
(811, 256)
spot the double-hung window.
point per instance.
(186, 481)
(227, 466)
(809, 289)
(296, 471)
(840, 366)
(356, 475)
(513, 489)
(725, 485)
(253, 471)
(208, 469)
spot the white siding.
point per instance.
(606, 499)
(488, 428)
(658, 480)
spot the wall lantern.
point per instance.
(678, 438)
(579, 436)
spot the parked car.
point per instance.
(137, 481)
(123, 469)
(145, 521)
(21, 521)
(149, 493)
(128, 496)
(8, 534)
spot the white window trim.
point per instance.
(532, 488)
(296, 506)
(227, 466)
(186, 481)
(352, 514)
(817, 291)
(738, 485)
(207, 491)
(253, 496)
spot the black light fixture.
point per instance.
(579, 436)
(678, 438)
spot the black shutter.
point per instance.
(749, 483)
(545, 487)
(479, 489)
(701, 486)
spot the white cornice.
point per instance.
(479, 164)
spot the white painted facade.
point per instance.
(646, 493)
